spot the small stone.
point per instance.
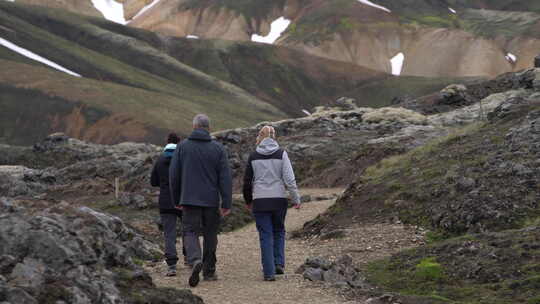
(139, 201)
(334, 234)
(313, 274)
(466, 183)
(318, 263)
(346, 260)
(333, 276)
(306, 198)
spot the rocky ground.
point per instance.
(53, 252)
(476, 193)
(460, 175)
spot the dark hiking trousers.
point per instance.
(169, 220)
(196, 221)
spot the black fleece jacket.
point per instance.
(199, 173)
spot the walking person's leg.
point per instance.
(278, 224)
(211, 222)
(184, 253)
(263, 221)
(169, 233)
(192, 218)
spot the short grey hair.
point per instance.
(201, 121)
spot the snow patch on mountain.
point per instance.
(192, 37)
(111, 10)
(35, 57)
(511, 57)
(397, 64)
(144, 9)
(277, 27)
(452, 10)
(367, 2)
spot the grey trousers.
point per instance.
(169, 233)
(205, 221)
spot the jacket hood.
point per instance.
(267, 146)
(200, 134)
(168, 151)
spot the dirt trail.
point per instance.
(239, 270)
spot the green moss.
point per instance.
(429, 269)
(53, 293)
(535, 300)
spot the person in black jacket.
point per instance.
(167, 209)
(200, 178)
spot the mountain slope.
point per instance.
(154, 82)
(474, 41)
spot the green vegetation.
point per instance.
(380, 93)
(429, 269)
(496, 268)
(452, 186)
(492, 24)
(322, 22)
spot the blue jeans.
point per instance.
(271, 227)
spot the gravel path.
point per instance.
(239, 270)
(240, 274)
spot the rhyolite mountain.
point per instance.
(138, 85)
(479, 39)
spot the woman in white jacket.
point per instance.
(268, 175)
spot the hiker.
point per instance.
(167, 209)
(199, 176)
(268, 173)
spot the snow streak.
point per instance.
(144, 9)
(367, 2)
(35, 56)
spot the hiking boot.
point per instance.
(195, 272)
(171, 272)
(270, 279)
(279, 269)
(212, 277)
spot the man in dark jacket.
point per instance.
(167, 209)
(199, 177)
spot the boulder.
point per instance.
(346, 103)
(54, 253)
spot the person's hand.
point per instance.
(179, 207)
(225, 212)
(249, 207)
(297, 206)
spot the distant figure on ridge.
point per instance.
(167, 209)
(199, 176)
(268, 174)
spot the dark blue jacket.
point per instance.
(199, 173)
(160, 178)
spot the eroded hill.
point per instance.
(460, 38)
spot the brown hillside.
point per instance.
(436, 43)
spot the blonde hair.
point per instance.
(265, 132)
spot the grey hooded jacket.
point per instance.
(268, 175)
